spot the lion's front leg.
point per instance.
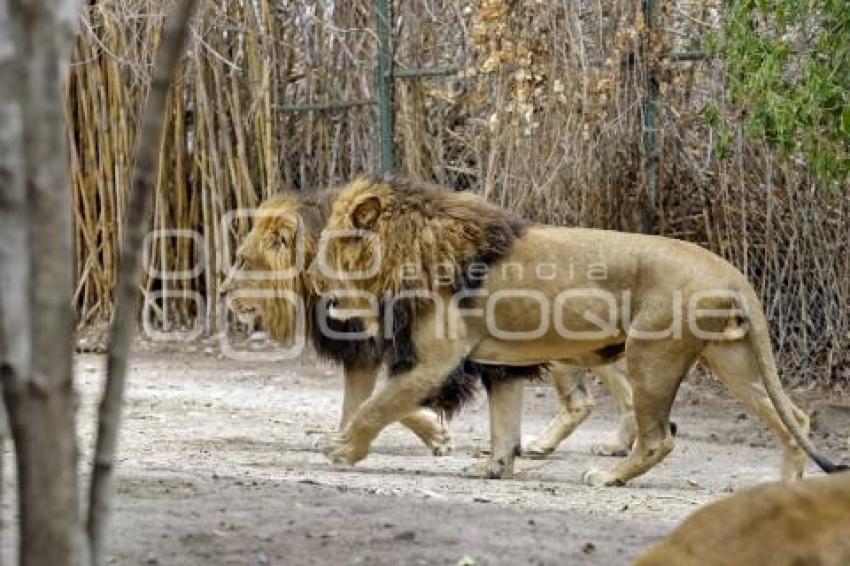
(425, 424)
(358, 384)
(400, 397)
(505, 400)
(402, 394)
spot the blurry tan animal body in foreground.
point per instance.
(805, 523)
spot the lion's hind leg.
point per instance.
(614, 378)
(575, 403)
(656, 367)
(734, 363)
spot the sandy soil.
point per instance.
(220, 464)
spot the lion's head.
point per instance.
(268, 278)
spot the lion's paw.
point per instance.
(472, 471)
(340, 450)
(537, 449)
(610, 449)
(441, 444)
(498, 470)
(599, 478)
(492, 469)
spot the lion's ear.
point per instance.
(366, 214)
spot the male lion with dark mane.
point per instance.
(660, 303)
(268, 260)
(269, 270)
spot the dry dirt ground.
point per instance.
(221, 464)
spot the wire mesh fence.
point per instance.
(537, 105)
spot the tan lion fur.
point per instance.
(423, 225)
(270, 247)
(805, 523)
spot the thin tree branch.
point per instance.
(138, 211)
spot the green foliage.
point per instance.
(789, 67)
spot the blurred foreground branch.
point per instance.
(137, 214)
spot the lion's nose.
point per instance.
(226, 286)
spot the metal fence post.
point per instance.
(383, 14)
(650, 119)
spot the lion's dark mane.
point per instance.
(495, 238)
(497, 229)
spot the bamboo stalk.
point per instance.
(542, 117)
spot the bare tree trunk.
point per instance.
(4, 434)
(14, 265)
(138, 211)
(36, 282)
(15, 330)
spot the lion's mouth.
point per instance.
(247, 318)
(245, 314)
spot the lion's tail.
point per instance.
(759, 338)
